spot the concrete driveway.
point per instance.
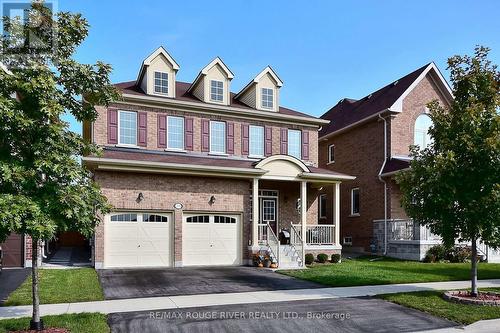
(333, 315)
(134, 283)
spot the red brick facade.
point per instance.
(359, 151)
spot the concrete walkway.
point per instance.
(482, 326)
(191, 301)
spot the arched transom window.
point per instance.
(422, 126)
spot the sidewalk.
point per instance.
(174, 302)
(482, 326)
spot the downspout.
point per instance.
(385, 183)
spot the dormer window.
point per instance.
(161, 83)
(216, 90)
(267, 98)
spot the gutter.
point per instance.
(235, 111)
(385, 183)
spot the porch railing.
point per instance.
(407, 230)
(263, 234)
(318, 234)
(273, 243)
(296, 242)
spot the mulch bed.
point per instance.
(483, 298)
(47, 330)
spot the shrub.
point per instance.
(309, 258)
(439, 253)
(322, 258)
(435, 254)
(335, 258)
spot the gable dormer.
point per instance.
(157, 74)
(212, 83)
(262, 93)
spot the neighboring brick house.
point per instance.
(370, 138)
(182, 161)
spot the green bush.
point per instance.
(309, 258)
(456, 254)
(322, 258)
(335, 258)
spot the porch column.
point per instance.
(255, 212)
(303, 217)
(336, 213)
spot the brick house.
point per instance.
(370, 138)
(183, 162)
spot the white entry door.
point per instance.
(211, 239)
(137, 240)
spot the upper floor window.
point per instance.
(127, 121)
(421, 134)
(216, 90)
(267, 98)
(355, 201)
(161, 83)
(294, 143)
(322, 206)
(331, 153)
(218, 137)
(175, 132)
(256, 141)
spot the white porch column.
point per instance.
(255, 212)
(303, 217)
(336, 214)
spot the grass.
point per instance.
(60, 286)
(75, 323)
(362, 271)
(433, 303)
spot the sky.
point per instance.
(323, 50)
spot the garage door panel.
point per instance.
(145, 243)
(214, 243)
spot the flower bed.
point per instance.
(483, 298)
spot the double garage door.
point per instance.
(145, 240)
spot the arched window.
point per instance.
(421, 136)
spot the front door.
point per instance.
(268, 212)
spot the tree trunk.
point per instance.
(35, 323)
(473, 275)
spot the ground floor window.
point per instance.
(355, 201)
(322, 206)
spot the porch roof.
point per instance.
(126, 159)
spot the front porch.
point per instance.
(285, 216)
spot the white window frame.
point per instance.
(331, 157)
(321, 196)
(161, 81)
(427, 138)
(267, 101)
(352, 201)
(347, 240)
(216, 94)
(183, 133)
(300, 143)
(120, 129)
(212, 122)
(250, 141)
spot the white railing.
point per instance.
(262, 232)
(296, 242)
(318, 234)
(273, 243)
(407, 230)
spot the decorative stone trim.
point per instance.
(459, 297)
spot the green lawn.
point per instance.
(433, 303)
(362, 271)
(60, 286)
(75, 323)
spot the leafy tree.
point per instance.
(453, 186)
(44, 189)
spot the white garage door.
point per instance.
(137, 240)
(211, 240)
